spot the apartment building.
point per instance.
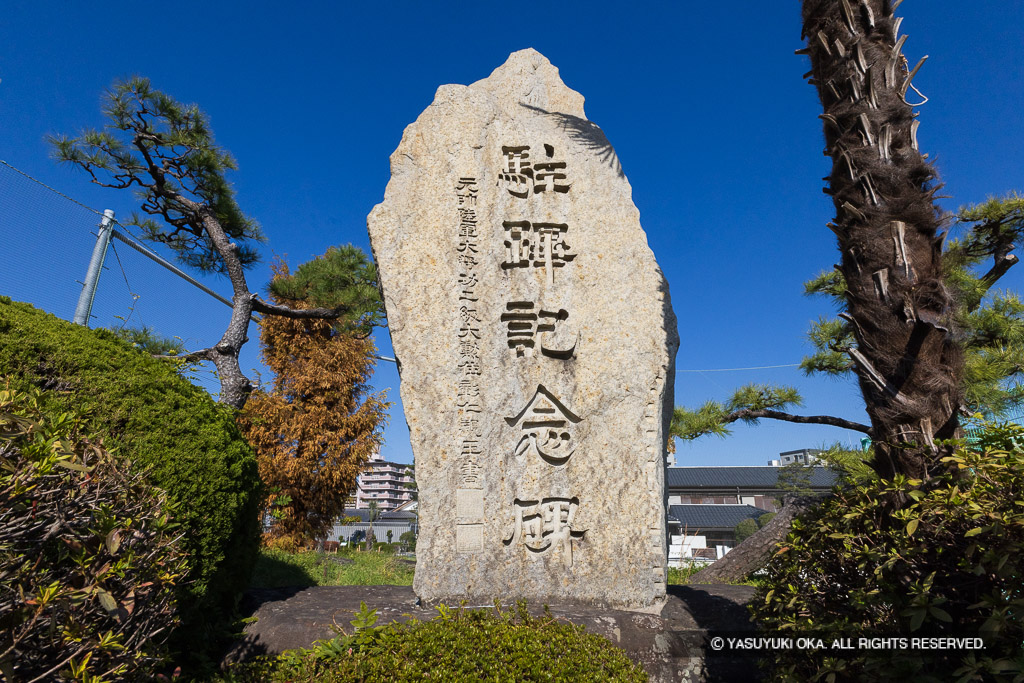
(385, 482)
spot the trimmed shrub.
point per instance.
(459, 645)
(188, 445)
(947, 562)
(89, 556)
(745, 529)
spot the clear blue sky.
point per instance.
(703, 102)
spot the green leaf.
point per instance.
(974, 532)
(107, 600)
(113, 541)
(912, 526)
(917, 619)
(77, 467)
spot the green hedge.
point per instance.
(459, 645)
(159, 421)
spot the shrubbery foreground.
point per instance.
(89, 556)
(186, 444)
(91, 563)
(947, 562)
(459, 645)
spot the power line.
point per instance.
(129, 239)
(759, 367)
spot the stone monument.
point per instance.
(536, 345)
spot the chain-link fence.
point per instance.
(48, 241)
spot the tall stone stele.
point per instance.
(536, 345)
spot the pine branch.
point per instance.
(749, 404)
(1003, 263)
(261, 306)
(753, 415)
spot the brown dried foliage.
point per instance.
(887, 224)
(317, 427)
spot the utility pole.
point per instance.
(92, 277)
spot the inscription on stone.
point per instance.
(525, 324)
(544, 526)
(519, 176)
(538, 245)
(545, 428)
(467, 398)
(536, 344)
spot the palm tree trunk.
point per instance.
(907, 362)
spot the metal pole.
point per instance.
(92, 277)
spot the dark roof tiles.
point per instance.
(695, 517)
(731, 477)
(393, 516)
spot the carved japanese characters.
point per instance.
(544, 526)
(534, 335)
(544, 428)
(525, 324)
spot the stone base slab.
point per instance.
(670, 646)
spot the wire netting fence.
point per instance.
(47, 242)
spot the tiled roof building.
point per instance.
(705, 517)
(706, 503)
(756, 486)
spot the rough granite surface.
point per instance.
(536, 342)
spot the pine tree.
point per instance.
(165, 152)
(316, 428)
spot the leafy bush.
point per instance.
(745, 529)
(188, 445)
(89, 557)
(460, 645)
(945, 562)
(408, 540)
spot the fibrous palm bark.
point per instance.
(906, 359)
